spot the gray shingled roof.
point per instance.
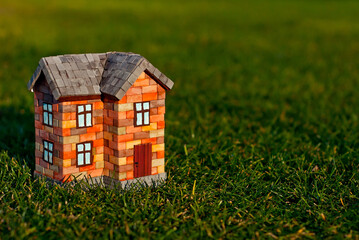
(111, 73)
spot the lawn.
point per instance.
(262, 137)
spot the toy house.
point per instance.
(101, 117)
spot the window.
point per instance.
(84, 115)
(48, 151)
(142, 114)
(47, 110)
(84, 156)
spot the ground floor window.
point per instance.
(48, 151)
(84, 154)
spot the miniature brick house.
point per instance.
(99, 116)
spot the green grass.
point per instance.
(262, 137)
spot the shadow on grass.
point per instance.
(17, 135)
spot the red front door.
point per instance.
(142, 160)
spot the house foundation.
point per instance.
(146, 181)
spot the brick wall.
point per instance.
(42, 94)
(65, 135)
(120, 135)
(71, 135)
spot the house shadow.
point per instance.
(17, 135)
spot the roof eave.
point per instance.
(34, 78)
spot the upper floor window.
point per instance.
(142, 114)
(84, 115)
(84, 156)
(47, 114)
(48, 151)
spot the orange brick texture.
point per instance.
(112, 133)
(42, 132)
(71, 135)
(120, 135)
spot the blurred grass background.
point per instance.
(262, 124)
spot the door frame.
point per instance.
(142, 160)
